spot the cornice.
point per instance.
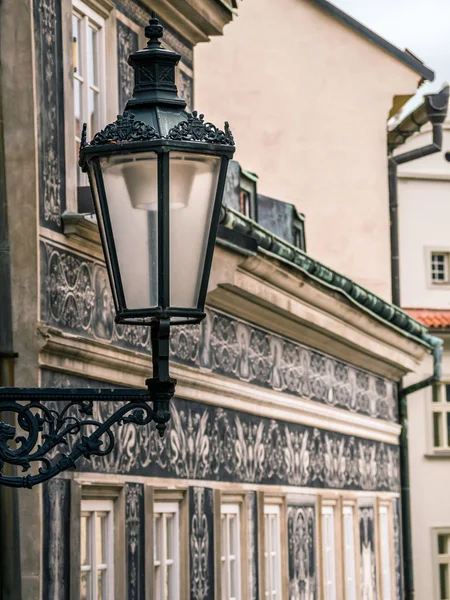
(76, 355)
(196, 20)
(258, 289)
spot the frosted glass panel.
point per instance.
(132, 188)
(193, 185)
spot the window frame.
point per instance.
(93, 507)
(387, 507)
(229, 508)
(85, 490)
(435, 533)
(328, 504)
(167, 508)
(272, 509)
(438, 405)
(347, 505)
(88, 17)
(429, 251)
(162, 495)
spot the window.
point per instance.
(441, 417)
(272, 551)
(440, 268)
(349, 553)
(89, 75)
(385, 553)
(328, 553)
(247, 194)
(166, 551)
(97, 550)
(443, 550)
(231, 555)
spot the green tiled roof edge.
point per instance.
(356, 293)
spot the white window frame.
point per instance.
(88, 15)
(329, 562)
(385, 549)
(163, 509)
(92, 507)
(428, 257)
(349, 553)
(272, 548)
(440, 409)
(227, 511)
(440, 559)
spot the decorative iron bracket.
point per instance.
(49, 419)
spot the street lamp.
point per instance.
(157, 176)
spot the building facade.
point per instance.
(279, 475)
(423, 204)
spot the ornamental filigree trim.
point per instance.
(125, 129)
(62, 418)
(196, 130)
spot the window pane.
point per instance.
(84, 543)
(349, 557)
(92, 56)
(171, 537)
(77, 41)
(157, 537)
(443, 543)
(385, 554)
(85, 586)
(93, 111)
(443, 579)
(101, 585)
(437, 429)
(233, 534)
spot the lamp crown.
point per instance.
(154, 31)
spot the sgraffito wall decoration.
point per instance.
(50, 103)
(252, 546)
(368, 557)
(302, 552)
(135, 540)
(56, 539)
(207, 442)
(75, 297)
(201, 543)
(127, 43)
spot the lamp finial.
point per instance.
(154, 31)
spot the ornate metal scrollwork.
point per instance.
(49, 419)
(125, 129)
(196, 130)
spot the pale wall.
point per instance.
(308, 100)
(424, 216)
(430, 485)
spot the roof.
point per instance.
(430, 317)
(433, 108)
(257, 238)
(403, 56)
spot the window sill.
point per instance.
(82, 230)
(439, 454)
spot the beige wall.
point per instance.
(424, 216)
(430, 485)
(308, 100)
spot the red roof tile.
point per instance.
(431, 317)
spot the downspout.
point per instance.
(435, 106)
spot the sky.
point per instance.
(422, 26)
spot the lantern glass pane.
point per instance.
(131, 187)
(193, 186)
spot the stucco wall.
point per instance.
(308, 100)
(424, 214)
(429, 486)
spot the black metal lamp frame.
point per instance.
(51, 418)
